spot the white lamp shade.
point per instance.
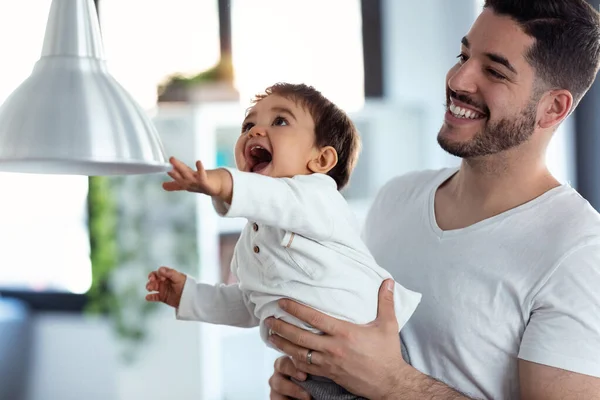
(71, 116)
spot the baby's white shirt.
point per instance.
(302, 241)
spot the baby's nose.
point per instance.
(257, 131)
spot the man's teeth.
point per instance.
(460, 112)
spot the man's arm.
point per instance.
(537, 381)
(367, 361)
(541, 382)
(364, 359)
(559, 356)
(216, 304)
(416, 385)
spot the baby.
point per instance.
(295, 152)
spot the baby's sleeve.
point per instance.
(216, 304)
(304, 204)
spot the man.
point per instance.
(507, 258)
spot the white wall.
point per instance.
(77, 358)
(421, 41)
(72, 359)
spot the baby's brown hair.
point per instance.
(333, 127)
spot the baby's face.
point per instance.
(278, 139)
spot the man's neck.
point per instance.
(500, 183)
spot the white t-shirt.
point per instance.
(523, 284)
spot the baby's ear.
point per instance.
(325, 160)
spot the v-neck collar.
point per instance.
(441, 234)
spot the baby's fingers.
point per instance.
(153, 281)
(175, 175)
(183, 170)
(153, 275)
(172, 186)
(152, 286)
(153, 297)
(200, 168)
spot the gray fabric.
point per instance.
(321, 388)
(405, 355)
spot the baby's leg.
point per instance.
(321, 388)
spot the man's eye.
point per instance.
(496, 74)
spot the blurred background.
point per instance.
(75, 252)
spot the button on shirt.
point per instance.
(302, 242)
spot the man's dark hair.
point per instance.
(333, 127)
(566, 51)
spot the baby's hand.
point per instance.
(166, 286)
(216, 182)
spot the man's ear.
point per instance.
(325, 160)
(555, 107)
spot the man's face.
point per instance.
(491, 105)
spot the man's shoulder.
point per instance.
(574, 214)
(556, 224)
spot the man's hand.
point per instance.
(365, 359)
(282, 387)
(215, 182)
(166, 285)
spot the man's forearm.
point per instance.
(416, 385)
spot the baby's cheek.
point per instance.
(240, 164)
(238, 155)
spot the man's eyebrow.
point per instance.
(465, 42)
(497, 58)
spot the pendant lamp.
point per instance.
(70, 116)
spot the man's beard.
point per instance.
(496, 137)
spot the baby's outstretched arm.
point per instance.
(306, 205)
(214, 183)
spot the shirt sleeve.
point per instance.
(216, 304)
(304, 204)
(564, 326)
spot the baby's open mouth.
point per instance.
(258, 158)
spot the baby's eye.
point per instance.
(246, 127)
(280, 121)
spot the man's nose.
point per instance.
(464, 79)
